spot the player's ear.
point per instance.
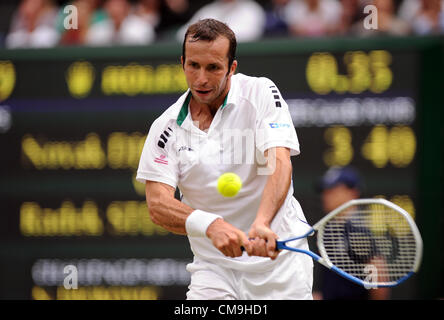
(233, 67)
(182, 61)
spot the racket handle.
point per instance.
(243, 249)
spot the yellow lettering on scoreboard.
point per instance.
(108, 293)
(122, 151)
(7, 79)
(97, 293)
(131, 218)
(135, 79)
(122, 218)
(85, 154)
(64, 221)
(39, 293)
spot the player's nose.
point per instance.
(201, 79)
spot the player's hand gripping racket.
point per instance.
(372, 242)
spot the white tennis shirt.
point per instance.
(253, 118)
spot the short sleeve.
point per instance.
(158, 161)
(274, 126)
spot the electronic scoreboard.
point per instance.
(73, 123)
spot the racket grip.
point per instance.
(243, 249)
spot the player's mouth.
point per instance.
(202, 93)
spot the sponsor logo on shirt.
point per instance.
(275, 125)
(161, 159)
(185, 148)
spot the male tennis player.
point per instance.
(227, 123)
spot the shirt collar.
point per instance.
(184, 110)
(183, 113)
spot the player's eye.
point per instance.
(194, 65)
(213, 67)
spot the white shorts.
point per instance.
(292, 279)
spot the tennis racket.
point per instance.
(372, 242)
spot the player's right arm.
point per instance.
(165, 210)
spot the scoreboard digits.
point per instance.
(365, 71)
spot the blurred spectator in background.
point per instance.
(121, 27)
(388, 22)
(351, 14)
(40, 23)
(276, 24)
(337, 186)
(245, 17)
(313, 18)
(149, 10)
(429, 19)
(174, 14)
(88, 12)
(408, 9)
(33, 25)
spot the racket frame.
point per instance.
(323, 257)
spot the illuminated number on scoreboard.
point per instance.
(321, 72)
(382, 75)
(80, 78)
(340, 152)
(358, 70)
(364, 72)
(382, 146)
(403, 201)
(396, 146)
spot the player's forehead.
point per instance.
(207, 51)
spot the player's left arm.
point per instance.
(275, 192)
(276, 139)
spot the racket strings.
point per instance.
(371, 242)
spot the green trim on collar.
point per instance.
(225, 100)
(184, 110)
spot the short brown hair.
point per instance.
(209, 30)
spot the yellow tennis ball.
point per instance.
(229, 184)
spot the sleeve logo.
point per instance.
(164, 138)
(276, 96)
(161, 159)
(275, 125)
